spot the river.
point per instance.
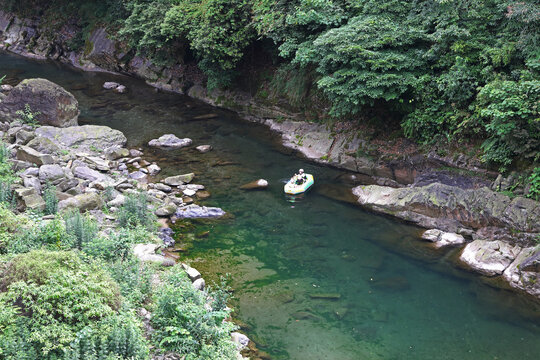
(318, 278)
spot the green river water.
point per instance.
(398, 299)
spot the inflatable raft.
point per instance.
(293, 188)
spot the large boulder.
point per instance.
(82, 202)
(52, 173)
(451, 208)
(489, 257)
(524, 272)
(89, 138)
(55, 105)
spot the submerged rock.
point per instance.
(170, 141)
(255, 185)
(195, 211)
(204, 148)
(55, 105)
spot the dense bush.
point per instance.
(134, 212)
(81, 228)
(57, 298)
(185, 324)
(510, 112)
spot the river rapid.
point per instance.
(318, 278)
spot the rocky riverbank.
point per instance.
(450, 194)
(92, 171)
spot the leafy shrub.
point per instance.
(117, 245)
(27, 116)
(133, 278)
(116, 337)
(7, 176)
(82, 228)
(50, 198)
(55, 295)
(510, 114)
(135, 212)
(51, 234)
(184, 325)
(534, 181)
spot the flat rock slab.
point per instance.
(325, 296)
(89, 138)
(490, 258)
(170, 141)
(179, 179)
(450, 208)
(194, 211)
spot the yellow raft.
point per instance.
(292, 188)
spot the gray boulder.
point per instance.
(44, 145)
(194, 211)
(179, 179)
(489, 257)
(52, 173)
(85, 138)
(147, 253)
(55, 105)
(82, 202)
(440, 238)
(524, 272)
(32, 182)
(450, 208)
(25, 153)
(170, 141)
(85, 173)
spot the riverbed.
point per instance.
(317, 278)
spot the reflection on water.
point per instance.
(317, 278)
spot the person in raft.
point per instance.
(300, 177)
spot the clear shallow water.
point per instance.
(397, 298)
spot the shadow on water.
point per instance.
(317, 278)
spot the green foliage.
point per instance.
(82, 228)
(534, 182)
(135, 212)
(510, 114)
(370, 58)
(185, 325)
(57, 295)
(50, 198)
(27, 116)
(37, 234)
(116, 245)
